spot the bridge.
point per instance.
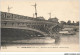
(22, 25)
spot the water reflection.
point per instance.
(62, 39)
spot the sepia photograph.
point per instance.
(39, 25)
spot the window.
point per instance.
(12, 15)
(8, 16)
(3, 16)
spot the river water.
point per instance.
(67, 43)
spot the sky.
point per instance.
(64, 10)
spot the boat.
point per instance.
(67, 31)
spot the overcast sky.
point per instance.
(64, 10)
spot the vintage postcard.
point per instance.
(39, 25)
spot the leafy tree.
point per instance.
(69, 22)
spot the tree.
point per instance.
(77, 23)
(69, 22)
(73, 23)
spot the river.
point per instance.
(69, 43)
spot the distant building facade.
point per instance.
(55, 20)
(63, 22)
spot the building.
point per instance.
(63, 22)
(55, 20)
